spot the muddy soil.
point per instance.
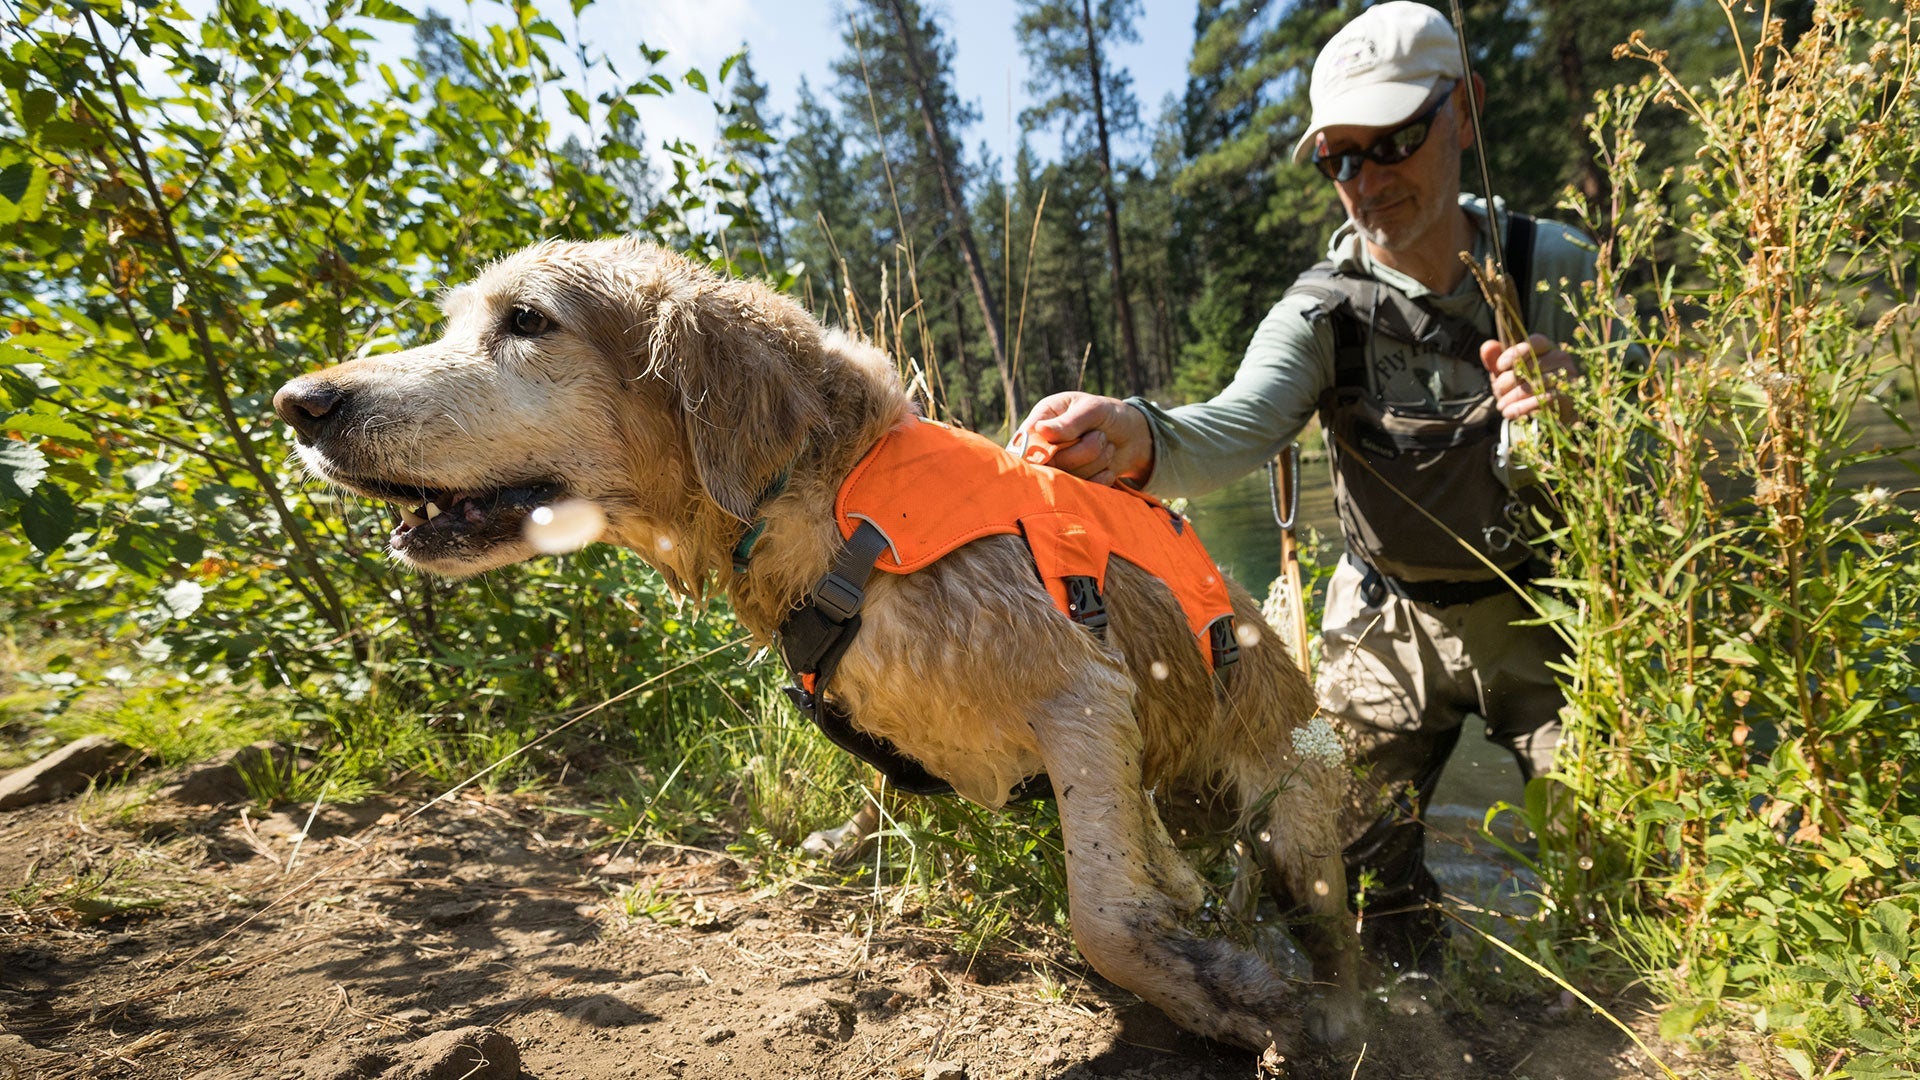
(487, 938)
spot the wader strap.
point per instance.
(1374, 586)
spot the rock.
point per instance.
(605, 1011)
(64, 772)
(20, 1052)
(222, 779)
(825, 1019)
(469, 1053)
(719, 1033)
(453, 912)
(944, 1070)
(348, 1062)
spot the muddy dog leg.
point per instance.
(1299, 855)
(1130, 893)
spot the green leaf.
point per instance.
(35, 106)
(14, 181)
(183, 598)
(32, 423)
(48, 518)
(24, 191)
(22, 467)
(1679, 1021)
(577, 104)
(387, 11)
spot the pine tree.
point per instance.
(752, 138)
(823, 201)
(1064, 41)
(932, 93)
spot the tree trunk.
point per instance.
(1592, 182)
(957, 211)
(1123, 308)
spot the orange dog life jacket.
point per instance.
(929, 488)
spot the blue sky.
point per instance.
(789, 39)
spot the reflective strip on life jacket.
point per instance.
(931, 488)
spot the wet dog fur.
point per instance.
(618, 372)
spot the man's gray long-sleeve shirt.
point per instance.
(1289, 364)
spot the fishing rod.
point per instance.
(1500, 290)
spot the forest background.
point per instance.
(203, 203)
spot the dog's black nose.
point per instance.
(307, 403)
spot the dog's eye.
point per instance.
(526, 322)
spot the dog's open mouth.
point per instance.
(437, 525)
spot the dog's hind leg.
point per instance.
(1299, 854)
(1131, 894)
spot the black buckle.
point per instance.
(802, 700)
(837, 597)
(1224, 643)
(1085, 605)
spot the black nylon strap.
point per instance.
(1373, 584)
(1520, 234)
(815, 637)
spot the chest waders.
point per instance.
(1425, 515)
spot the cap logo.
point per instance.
(1354, 59)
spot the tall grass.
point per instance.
(1742, 721)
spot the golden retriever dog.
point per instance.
(675, 399)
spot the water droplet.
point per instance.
(1160, 670)
(1249, 636)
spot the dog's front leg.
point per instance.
(1130, 893)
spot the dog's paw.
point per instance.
(1332, 1017)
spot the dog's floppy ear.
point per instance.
(738, 353)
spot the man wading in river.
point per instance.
(1390, 342)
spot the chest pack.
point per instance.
(926, 489)
(1418, 499)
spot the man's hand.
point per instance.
(1101, 439)
(1521, 386)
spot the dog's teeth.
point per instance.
(412, 518)
(432, 511)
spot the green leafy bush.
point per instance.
(201, 209)
(1744, 721)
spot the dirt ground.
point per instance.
(395, 940)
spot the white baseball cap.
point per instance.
(1380, 69)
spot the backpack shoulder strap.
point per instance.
(1356, 303)
(1521, 230)
(1337, 298)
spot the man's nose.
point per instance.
(309, 405)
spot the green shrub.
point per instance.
(1743, 716)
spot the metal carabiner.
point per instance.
(1291, 480)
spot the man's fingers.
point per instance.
(1490, 351)
(1085, 457)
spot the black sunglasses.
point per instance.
(1392, 148)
